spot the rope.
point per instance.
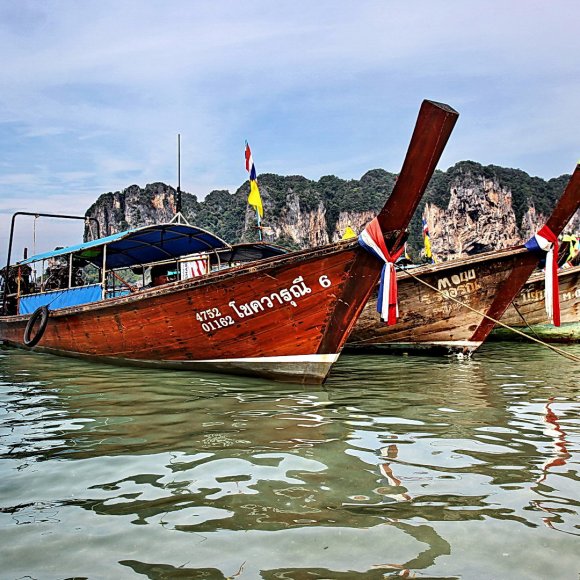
(533, 339)
(551, 347)
(516, 308)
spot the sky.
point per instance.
(93, 94)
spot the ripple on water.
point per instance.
(398, 465)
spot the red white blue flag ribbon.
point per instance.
(546, 241)
(372, 240)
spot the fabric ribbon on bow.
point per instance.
(546, 241)
(372, 240)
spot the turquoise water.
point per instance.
(396, 467)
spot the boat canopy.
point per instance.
(141, 246)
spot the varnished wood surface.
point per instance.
(432, 130)
(161, 325)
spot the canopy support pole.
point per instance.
(36, 215)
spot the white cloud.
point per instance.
(95, 92)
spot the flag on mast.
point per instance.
(254, 199)
(348, 233)
(427, 240)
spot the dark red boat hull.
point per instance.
(240, 320)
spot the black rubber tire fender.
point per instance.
(42, 314)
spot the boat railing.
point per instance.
(70, 279)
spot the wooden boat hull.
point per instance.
(430, 320)
(528, 313)
(453, 306)
(284, 318)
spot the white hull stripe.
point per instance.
(468, 343)
(298, 358)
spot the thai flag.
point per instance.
(546, 241)
(372, 240)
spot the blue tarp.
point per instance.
(141, 246)
(60, 298)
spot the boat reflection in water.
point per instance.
(387, 469)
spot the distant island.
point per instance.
(469, 208)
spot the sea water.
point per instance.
(397, 466)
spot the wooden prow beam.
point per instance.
(567, 205)
(562, 214)
(432, 130)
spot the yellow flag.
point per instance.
(348, 233)
(254, 198)
(427, 242)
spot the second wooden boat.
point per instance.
(450, 307)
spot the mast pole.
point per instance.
(259, 224)
(178, 201)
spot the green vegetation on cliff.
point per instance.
(286, 197)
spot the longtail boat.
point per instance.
(450, 307)
(528, 314)
(286, 317)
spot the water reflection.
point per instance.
(555, 431)
(386, 470)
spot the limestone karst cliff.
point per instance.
(485, 208)
(469, 208)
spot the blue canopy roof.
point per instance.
(141, 246)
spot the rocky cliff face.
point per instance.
(480, 215)
(132, 207)
(469, 209)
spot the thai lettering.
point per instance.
(456, 279)
(463, 277)
(463, 289)
(283, 296)
(538, 295)
(450, 293)
(531, 296)
(299, 288)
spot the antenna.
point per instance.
(178, 200)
